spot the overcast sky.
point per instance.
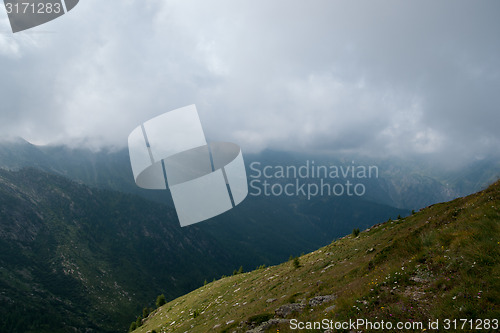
(378, 77)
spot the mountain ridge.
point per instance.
(405, 184)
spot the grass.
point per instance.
(441, 262)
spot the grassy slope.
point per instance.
(442, 262)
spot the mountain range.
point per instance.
(83, 248)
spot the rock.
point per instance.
(318, 300)
(266, 325)
(287, 309)
(417, 279)
(270, 300)
(327, 267)
(370, 250)
(330, 308)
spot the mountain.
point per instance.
(75, 257)
(107, 169)
(405, 184)
(132, 237)
(442, 262)
(262, 230)
(79, 257)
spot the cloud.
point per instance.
(369, 77)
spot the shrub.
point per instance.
(239, 271)
(132, 327)
(296, 262)
(160, 300)
(355, 232)
(138, 322)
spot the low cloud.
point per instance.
(380, 78)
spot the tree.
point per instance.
(145, 312)
(355, 232)
(160, 300)
(138, 322)
(296, 262)
(132, 327)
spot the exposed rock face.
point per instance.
(287, 309)
(266, 325)
(330, 308)
(318, 300)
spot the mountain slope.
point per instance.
(261, 230)
(71, 256)
(442, 262)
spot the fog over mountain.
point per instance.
(384, 78)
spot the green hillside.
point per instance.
(442, 262)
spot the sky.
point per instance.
(383, 78)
